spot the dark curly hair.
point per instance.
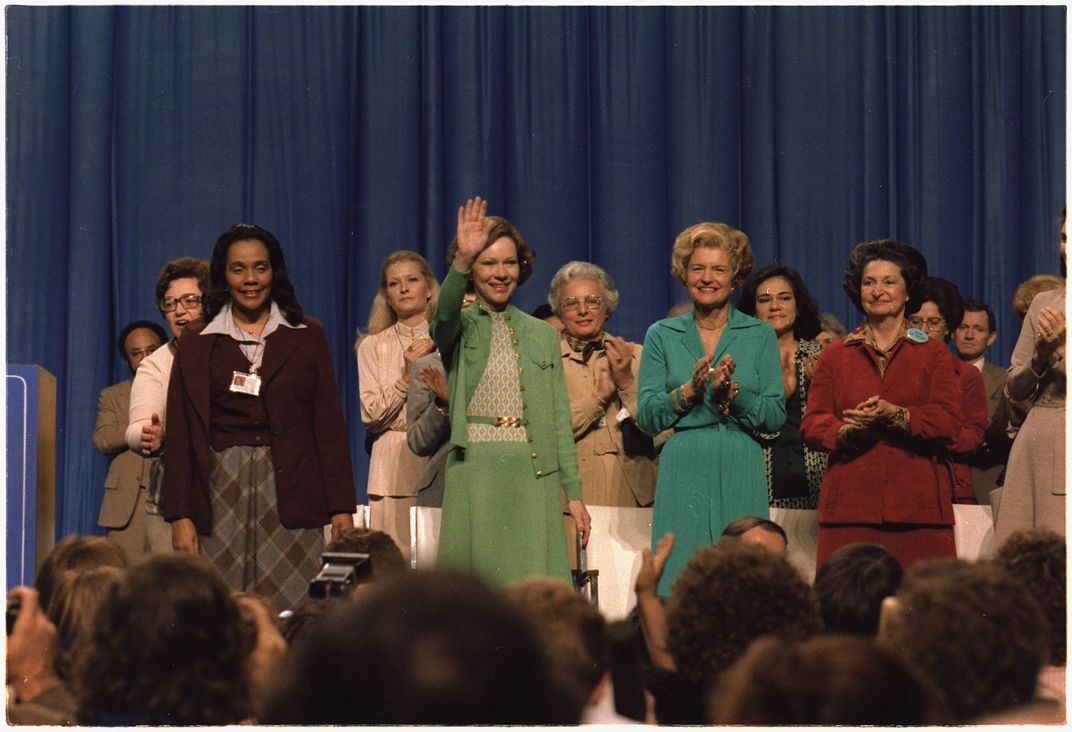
(282, 290)
(946, 297)
(726, 597)
(974, 629)
(169, 646)
(500, 227)
(1037, 558)
(851, 585)
(807, 325)
(828, 680)
(912, 264)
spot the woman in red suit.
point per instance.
(258, 458)
(885, 402)
(938, 316)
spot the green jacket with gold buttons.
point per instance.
(463, 337)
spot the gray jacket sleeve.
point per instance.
(426, 427)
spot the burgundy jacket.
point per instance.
(972, 428)
(894, 478)
(309, 441)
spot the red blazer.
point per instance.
(896, 478)
(309, 441)
(972, 428)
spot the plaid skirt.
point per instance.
(248, 545)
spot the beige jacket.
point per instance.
(127, 471)
(609, 477)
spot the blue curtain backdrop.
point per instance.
(138, 134)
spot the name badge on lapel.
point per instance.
(243, 383)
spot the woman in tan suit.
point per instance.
(616, 459)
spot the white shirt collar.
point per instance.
(223, 324)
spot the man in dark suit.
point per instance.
(976, 333)
(123, 508)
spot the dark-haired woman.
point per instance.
(512, 454)
(777, 295)
(885, 402)
(938, 315)
(258, 459)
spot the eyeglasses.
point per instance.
(592, 302)
(918, 322)
(187, 301)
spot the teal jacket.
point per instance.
(673, 347)
(463, 337)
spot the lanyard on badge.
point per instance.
(248, 382)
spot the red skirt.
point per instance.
(908, 543)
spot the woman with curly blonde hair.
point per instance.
(397, 336)
(713, 375)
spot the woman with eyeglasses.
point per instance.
(179, 288)
(885, 403)
(938, 315)
(258, 456)
(615, 458)
(714, 376)
(512, 454)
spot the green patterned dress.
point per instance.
(499, 519)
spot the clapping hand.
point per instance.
(419, 347)
(620, 360)
(871, 413)
(722, 374)
(1050, 336)
(437, 382)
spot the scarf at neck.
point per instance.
(585, 347)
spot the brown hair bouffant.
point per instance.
(573, 631)
(946, 297)
(712, 235)
(75, 553)
(169, 646)
(827, 680)
(500, 227)
(1037, 558)
(178, 269)
(974, 629)
(911, 263)
(726, 597)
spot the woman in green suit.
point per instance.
(512, 451)
(714, 376)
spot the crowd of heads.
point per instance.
(166, 641)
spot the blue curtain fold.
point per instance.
(138, 134)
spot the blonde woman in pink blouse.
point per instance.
(397, 336)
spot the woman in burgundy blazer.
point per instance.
(885, 401)
(257, 459)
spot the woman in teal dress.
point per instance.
(714, 376)
(512, 452)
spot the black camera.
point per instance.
(341, 572)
